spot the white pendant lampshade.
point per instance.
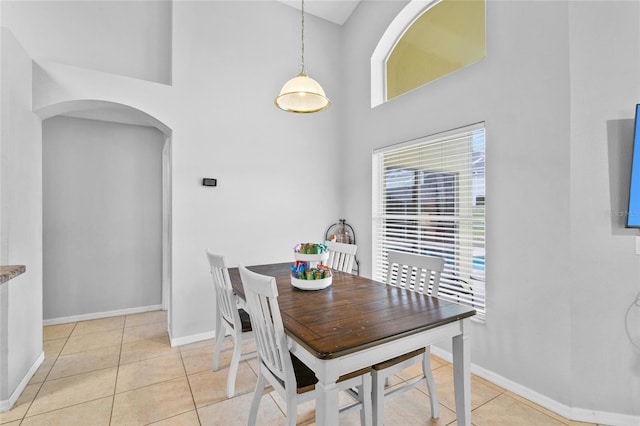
(302, 94)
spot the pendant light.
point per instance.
(302, 94)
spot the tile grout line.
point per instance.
(65, 407)
(487, 401)
(44, 380)
(535, 407)
(193, 399)
(115, 383)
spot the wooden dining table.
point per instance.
(357, 322)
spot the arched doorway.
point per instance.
(118, 163)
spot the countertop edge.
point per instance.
(11, 271)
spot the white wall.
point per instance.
(131, 38)
(276, 171)
(554, 74)
(20, 223)
(102, 206)
(605, 86)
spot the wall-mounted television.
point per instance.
(633, 213)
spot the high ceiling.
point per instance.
(336, 11)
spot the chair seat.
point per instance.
(245, 320)
(397, 360)
(306, 379)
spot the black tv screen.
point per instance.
(633, 213)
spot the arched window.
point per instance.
(426, 41)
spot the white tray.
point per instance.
(312, 257)
(311, 284)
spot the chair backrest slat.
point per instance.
(415, 272)
(225, 298)
(262, 302)
(341, 256)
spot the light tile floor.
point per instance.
(122, 371)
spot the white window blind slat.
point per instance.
(429, 198)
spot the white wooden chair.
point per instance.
(229, 319)
(421, 274)
(289, 376)
(341, 256)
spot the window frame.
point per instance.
(396, 30)
(462, 240)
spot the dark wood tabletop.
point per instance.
(354, 313)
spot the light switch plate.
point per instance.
(637, 245)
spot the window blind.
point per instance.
(429, 199)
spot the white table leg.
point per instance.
(462, 374)
(326, 404)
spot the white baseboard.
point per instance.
(605, 418)
(179, 341)
(578, 414)
(98, 315)
(7, 404)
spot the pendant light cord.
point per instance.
(302, 43)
